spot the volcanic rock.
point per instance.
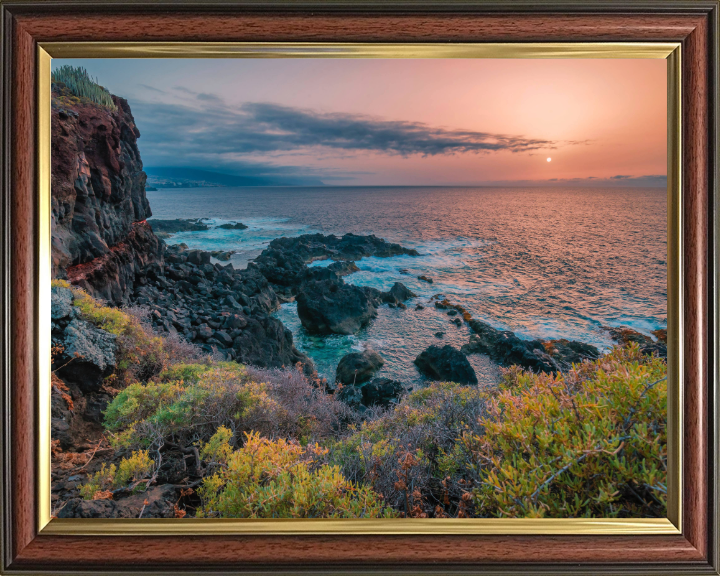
(327, 307)
(447, 364)
(358, 367)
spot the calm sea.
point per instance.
(548, 263)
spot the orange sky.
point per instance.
(606, 117)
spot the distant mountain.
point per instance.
(173, 177)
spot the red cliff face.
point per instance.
(98, 197)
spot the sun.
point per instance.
(549, 159)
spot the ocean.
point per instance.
(542, 262)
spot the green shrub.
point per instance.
(141, 353)
(281, 479)
(592, 442)
(129, 473)
(79, 82)
(144, 415)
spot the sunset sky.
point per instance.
(400, 122)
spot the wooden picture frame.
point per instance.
(29, 547)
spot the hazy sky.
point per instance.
(400, 122)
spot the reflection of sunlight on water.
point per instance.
(541, 262)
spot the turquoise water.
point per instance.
(545, 263)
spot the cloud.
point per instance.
(152, 88)
(210, 128)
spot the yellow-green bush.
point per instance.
(142, 415)
(592, 442)
(281, 479)
(141, 353)
(129, 473)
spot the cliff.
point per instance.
(100, 240)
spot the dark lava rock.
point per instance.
(327, 307)
(60, 430)
(160, 500)
(265, 342)
(507, 349)
(222, 255)
(625, 335)
(358, 367)
(88, 355)
(61, 303)
(381, 392)
(233, 226)
(350, 395)
(343, 267)
(568, 352)
(198, 257)
(447, 364)
(95, 405)
(165, 228)
(401, 293)
(98, 185)
(425, 279)
(284, 261)
(377, 392)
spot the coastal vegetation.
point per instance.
(259, 443)
(81, 85)
(177, 391)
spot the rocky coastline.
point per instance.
(103, 243)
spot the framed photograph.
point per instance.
(352, 288)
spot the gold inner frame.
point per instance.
(498, 526)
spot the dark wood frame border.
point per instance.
(694, 23)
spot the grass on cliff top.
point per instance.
(82, 85)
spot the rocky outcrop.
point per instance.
(625, 335)
(400, 293)
(358, 367)
(507, 349)
(84, 354)
(98, 196)
(223, 310)
(447, 364)
(284, 261)
(113, 276)
(233, 226)
(333, 307)
(376, 392)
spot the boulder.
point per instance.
(381, 392)
(333, 307)
(447, 364)
(88, 356)
(61, 303)
(198, 257)
(351, 395)
(265, 342)
(358, 367)
(401, 292)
